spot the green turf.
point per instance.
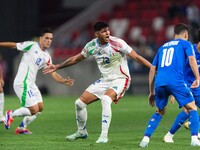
(129, 120)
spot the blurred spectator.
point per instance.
(169, 32)
(193, 20)
(177, 9)
(119, 26)
(158, 23)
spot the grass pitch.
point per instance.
(129, 121)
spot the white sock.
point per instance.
(22, 111)
(194, 138)
(27, 120)
(106, 115)
(1, 103)
(169, 134)
(81, 115)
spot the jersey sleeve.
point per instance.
(25, 46)
(189, 49)
(125, 47)
(155, 61)
(88, 48)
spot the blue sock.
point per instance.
(180, 119)
(199, 122)
(194, 122)
(152, 124)
(21, 124)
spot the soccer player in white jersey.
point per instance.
(2, 117)
(110, 54)
(35, 57)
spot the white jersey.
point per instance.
(32, 60)
(111, 58)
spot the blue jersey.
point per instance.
(170, 62)
(189, 76)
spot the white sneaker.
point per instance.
(77, 135)
(145, 141)
(195, 143)
(2, 119)
(168, 138)
(102, 140)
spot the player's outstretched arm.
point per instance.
(67, 81)
(8, 44)
(68, 62)
(139, 59)
(151, 85)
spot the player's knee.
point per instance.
(79, 104)
(191, 106)
(106, 100)
(161, 112)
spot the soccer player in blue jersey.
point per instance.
(189, 78)
(167, 75)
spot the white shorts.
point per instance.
(100, 87)
(28, 95)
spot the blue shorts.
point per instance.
(196, 94)
(181, 92)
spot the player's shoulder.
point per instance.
(91, 43)
(117, 42)
(27, 43)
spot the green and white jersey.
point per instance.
(111, 58)
(32, 60)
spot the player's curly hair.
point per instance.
(99, 25)
(45, 30)
(180, 28)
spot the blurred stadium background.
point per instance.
(143, 24)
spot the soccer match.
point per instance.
(104, 74)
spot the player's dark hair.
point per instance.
(99, 25)
(198, 35)
(180, 28)
(45, 30)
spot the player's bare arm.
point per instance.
(151, 85)
(68, 81)
(8, 44)
(68, 62)
(195, 70)
(139, 59)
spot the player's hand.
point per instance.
(172, 99)
(151, 100)
(49, 69)
(68, 81)
(195, 84)
(2, 83)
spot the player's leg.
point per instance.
(161, 99)
(2, 117)
(116, 89)
(180, 119)
(81, 115)
(28, 102)
(194, 123)
(22, 128)
(106, 117)
(185, 99)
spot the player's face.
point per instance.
(46, 40)
(103, 35)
